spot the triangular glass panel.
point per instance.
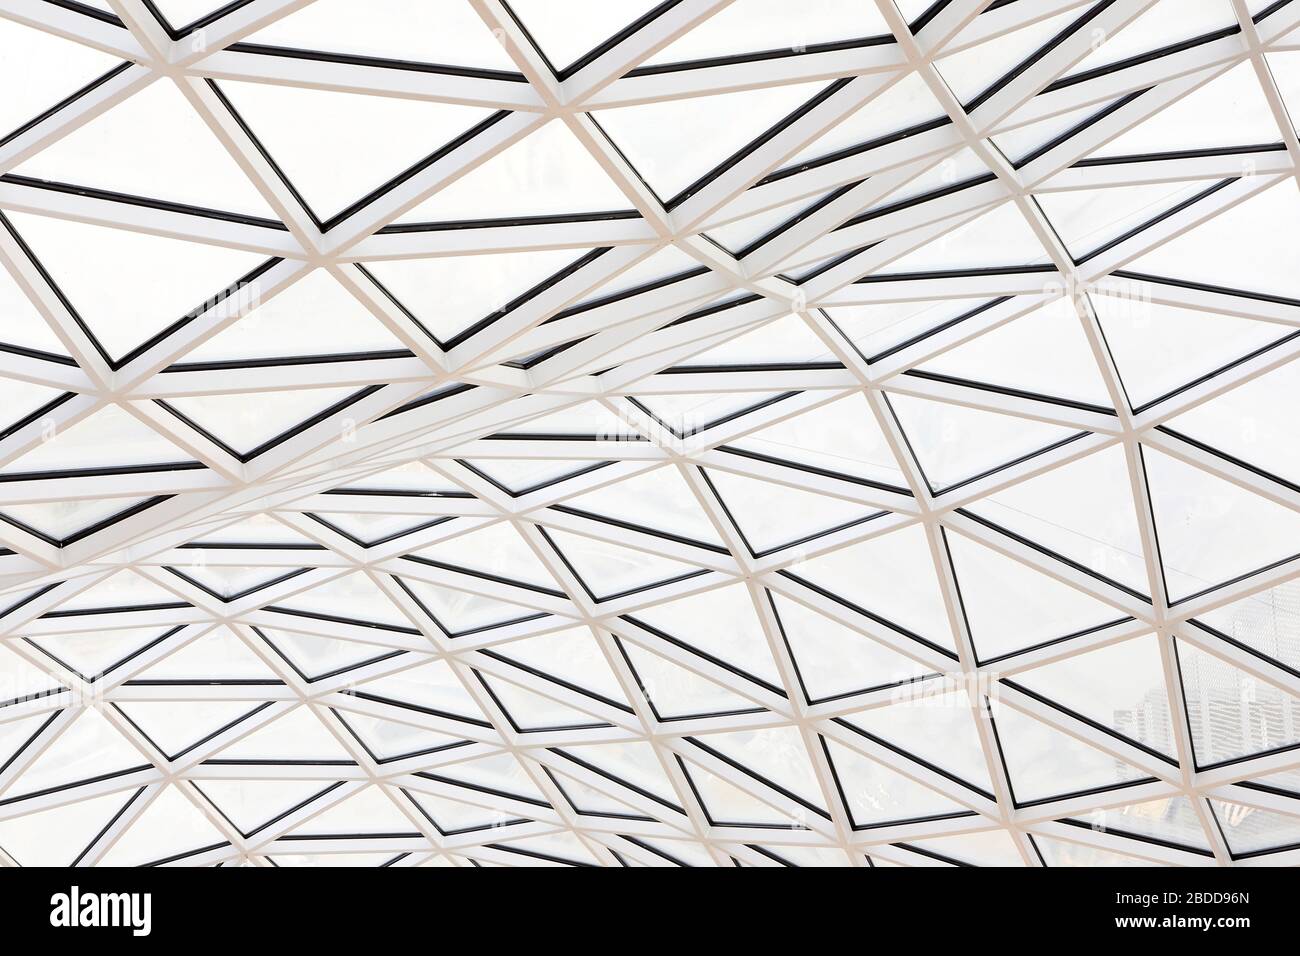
(388, 740)
(954, 443)
(1043, 762)
(1267, 622)
(354, 597)
(570, 656)
(1159, 348)
(675, 693)
(315, 657)
(251, 805)
(841, 437)
(61, 835)
(1242, 118)
(1120, 686)
(1044, 351)
(1232, 250)
(296, 737)
(876, 795)
(451, 295)
(87, 748)
(298, 125)
(460, 612)
(720, 623)
(998, 238)
(832, 659)
(176, 727)
(120, 152)
(407, 30)
(530, 712)
(249, 423)
(932, 721)
(314, 316)
(130, 286)
(496, 551)
(40, 70)
(547, 173)
(1212, 530)
(1082, 510)
(1252, 830)
(1010, 606)
(771, 516)
(891, 576)
(716, 126)
(171, 827)
(1250, 422)
(433, 686)
(1231, 713)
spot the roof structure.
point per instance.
(617, 433)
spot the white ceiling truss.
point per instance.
(900, 472)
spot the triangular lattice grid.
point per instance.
(609, 433)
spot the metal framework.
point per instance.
(739, 433)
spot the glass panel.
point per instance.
(716, 127)
(1120, 686)
(749, 26)
(1230, 712)
(299, 125)
(721, 622)
(129, 286)
(155, 145)
(548, 172)
(892, 576)
(410, 30)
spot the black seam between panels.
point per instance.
(781, 53)
(61, 788)
(416, 708)
(1078, 128)
(379, 62)
(814, 470)
(1009, 391)
(130, 199)
(340, 619)
(35, 415)
(459, 225)
(283, 361)
(1138, 60)
(1208, 151)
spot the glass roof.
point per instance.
(640, 434)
